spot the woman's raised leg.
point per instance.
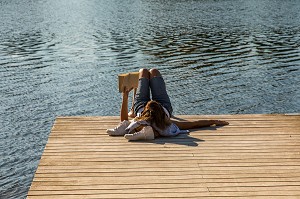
(143, 91)
(154, 73)
(159, 91)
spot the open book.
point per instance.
(130, 80)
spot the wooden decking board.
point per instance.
(256, 156)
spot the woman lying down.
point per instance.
(152, 118)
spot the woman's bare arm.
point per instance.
(185, 125)
(131, 113)
(124, 106)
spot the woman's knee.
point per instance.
(143, 72)
(154, 73)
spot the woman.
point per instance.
(152, 118)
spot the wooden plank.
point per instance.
(256, 156)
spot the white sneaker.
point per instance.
(145, 134)
(119, 130)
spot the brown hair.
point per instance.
(155, 114)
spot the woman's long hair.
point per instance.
(155, 114)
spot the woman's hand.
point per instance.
(219, 123)
(126, 91)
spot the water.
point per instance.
(62, 57)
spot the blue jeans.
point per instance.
(158, 90)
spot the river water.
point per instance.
(62, 57)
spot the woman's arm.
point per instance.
(185, 125)
(124, 106)
(131, 113)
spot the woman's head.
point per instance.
(154, 113)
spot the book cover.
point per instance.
(128, 80)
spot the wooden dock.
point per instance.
(256, 156)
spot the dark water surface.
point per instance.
(62, 57)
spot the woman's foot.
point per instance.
(146, 133)
(119, 130)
